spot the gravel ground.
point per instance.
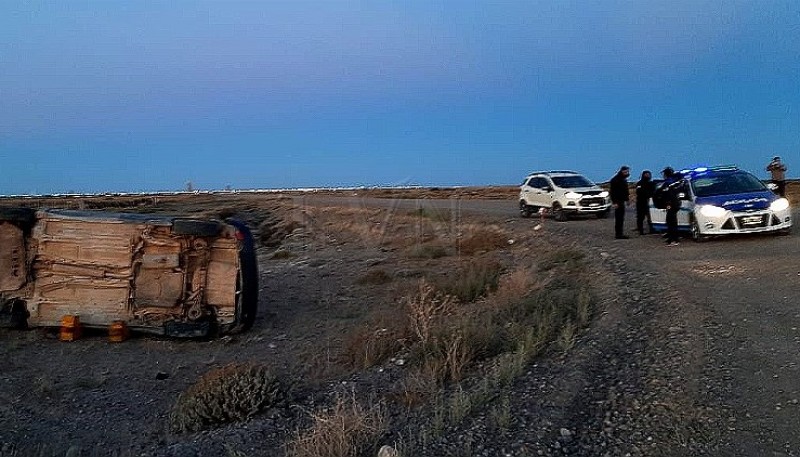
(659, 371)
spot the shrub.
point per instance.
(347, 429)
(428, 251)
(568, 258)
(367, 347)
(482, 240)
(472, 281)
(425, 308)
(376, 277)
(232, 393)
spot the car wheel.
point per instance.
(247, 282)
(558, 213)
(195, 227)
(695, 230)
(524, 209)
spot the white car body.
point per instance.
(563, 193)
(723, 201)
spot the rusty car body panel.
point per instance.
(172, 276)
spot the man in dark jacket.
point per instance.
(671, 183)
(618, 187)
(644, 192)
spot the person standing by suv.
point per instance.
(777, 171)
(644, 192)
(618, 188)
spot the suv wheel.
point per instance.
(525, 210)
(558, 213)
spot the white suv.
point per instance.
(562, 193)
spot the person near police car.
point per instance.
(645, 188)
(777, 171)
(620, 195)
(670, 186)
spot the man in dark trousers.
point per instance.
(644, 192)
(671, 183)
(618, 187)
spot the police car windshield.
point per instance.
(738, 182)
(570, 182)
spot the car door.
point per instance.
(687, 206)
(545, 192)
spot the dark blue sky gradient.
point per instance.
(137, 96)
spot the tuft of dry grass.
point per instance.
(229, 394)
(425, 308)
(375, 277)
(347, 429)
(473, 280)
(429, 250)
(481, 240)
(368, 346)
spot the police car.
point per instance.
(725, 200)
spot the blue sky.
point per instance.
(135, 96)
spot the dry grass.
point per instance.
(228, 394)
(375, 277)
(347, 429)
(369, 346)
(473, 280)
(430, 250)
(481, 240)
(425, 308)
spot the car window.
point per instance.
(540, 183)
(569, 182)
(726, 183)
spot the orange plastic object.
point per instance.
(118, 332)
(70, 328)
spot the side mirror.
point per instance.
(548, 189)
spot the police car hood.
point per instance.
(750, 201)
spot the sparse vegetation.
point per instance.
(433, 250)
(375, 277)
(482, 240)
(347, 429)
(228, 394)
(473, 280)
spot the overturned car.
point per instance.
(171, 276)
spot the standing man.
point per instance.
(777, 171)
(670, 185)
(644, 192)
(619, 199)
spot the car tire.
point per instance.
(694, 228)
(602, 214)
(558, 213)
(194, 227)
(19, 216)
(525, 210)
(247, 282)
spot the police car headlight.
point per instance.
(712, 211)
(604, 194)
(572, 195)
(779, 204)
